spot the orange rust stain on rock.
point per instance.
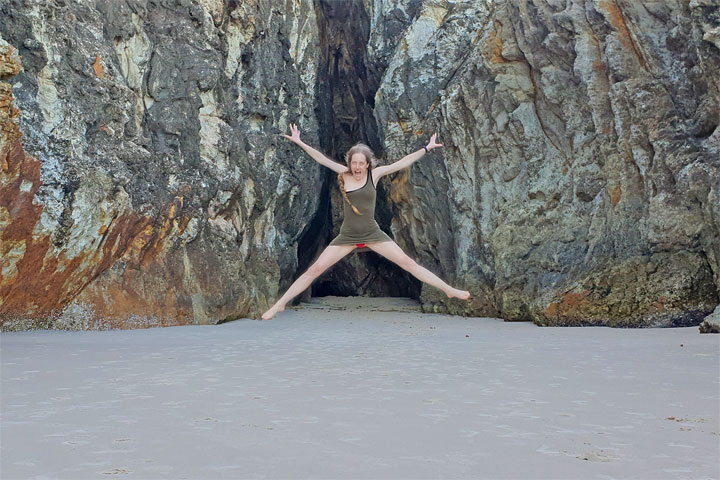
(10, 66)
(493, 47)
(182, 224)
(174, 206)
(123, 232)
(552, 310)
(8, 129)
(659, 304)
(30, 170)
(432, 107)
(39, 288)
(120, 306)
(36, 288)
(97, 66)
(617, 20)
(115, 296)
(399, 191)
(133, 252)
(42, 281)
(153, 249)
(23, 213)
(573, 300)
(615, 194)
(568, 304)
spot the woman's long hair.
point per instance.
(371, 161)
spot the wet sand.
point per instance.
(361, 388)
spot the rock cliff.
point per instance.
(145, 180)
(581, 182)
(150, 185)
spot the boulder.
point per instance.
(711, 323)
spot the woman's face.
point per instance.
(358, 165)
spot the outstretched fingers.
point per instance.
(433, 143)
(294, 133)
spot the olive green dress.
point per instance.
(360, 228)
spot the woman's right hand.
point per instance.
(295, 134)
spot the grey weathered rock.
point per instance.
(711, 323)
(579, 182)
(164, 192)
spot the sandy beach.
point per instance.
(361, 388)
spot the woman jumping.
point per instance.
(357, 183)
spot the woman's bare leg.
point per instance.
(394, 253)
(327, 258)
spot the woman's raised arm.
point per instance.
(318, 156)
(407, 160)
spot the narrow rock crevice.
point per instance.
(347, 83)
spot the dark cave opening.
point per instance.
(347, 83)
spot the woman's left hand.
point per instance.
(432, 144)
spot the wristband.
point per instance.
(425, 147)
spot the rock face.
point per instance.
(145, 181)
(711, 323)
(580, 180)
(151, 186)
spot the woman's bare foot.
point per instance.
(461, 294)
(271, 313)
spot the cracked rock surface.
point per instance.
(580, 179)
(150, 185)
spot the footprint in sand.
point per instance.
(600, 456)
(121, 440)
(117, 471)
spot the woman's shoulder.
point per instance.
(378, 172)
